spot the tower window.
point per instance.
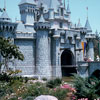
(60, 24)
(62, 12)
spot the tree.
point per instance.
(9, 52)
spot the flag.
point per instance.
(83, 47)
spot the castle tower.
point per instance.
(43, 68)
(90, 38)
(27, 8)
(6, 25)
(68, 10)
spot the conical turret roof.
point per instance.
(68, 9)
(79, 24)
(5, 17)
(20, 28)
(87, 25)
(41, 18)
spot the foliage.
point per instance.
(60, 93)
(96, 47)
(87, 87)
(54, 83)
(44, 79)
(9, 52)
(36, 89)
(18, 87)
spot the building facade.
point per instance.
(52, 45)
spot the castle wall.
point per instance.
(27, 47)
(56, 59)
(43, 67)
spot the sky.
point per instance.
(77, 7)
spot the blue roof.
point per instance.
(20, 28)
(27, 1)
(68, 9)
(5, 17)
(87, 25)
(41, 18)
(79, 24)
(49, 4)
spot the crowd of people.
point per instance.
(89, 58)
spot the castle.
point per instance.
(52, 45)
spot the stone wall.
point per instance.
(86, 69)
(27, 47)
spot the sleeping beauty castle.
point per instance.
(51, 44)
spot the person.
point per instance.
(85, 58)
(97, 58)
(89, 59)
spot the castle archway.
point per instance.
(68, 63)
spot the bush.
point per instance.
(5, 77)
(87, 87)
(59, 93)
(54, 83)
(35, 90)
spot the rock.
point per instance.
(45, 97)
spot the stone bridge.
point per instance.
(86, 69)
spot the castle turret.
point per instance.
(68, 10)
(27, 8)
(90, 36)
(87, 26)
(6, 25)
(43, 68)
(51, 10)
(27, 11)
(79, 24)
(4, 17)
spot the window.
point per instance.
(62, 12)
(61, 25)
(62, 38)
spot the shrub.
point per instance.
(44, 79)
(54, 83)
(59, 93)
(5, 77)
(86, 87)
(35, 90)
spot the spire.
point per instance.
(20, 28)
(4, 4)
(4, 16)
(87, 25)
(87, 12)
(96, 33)
(41, 11)
(51, 5)
(68, 9)
(79, 24)
(64, 4)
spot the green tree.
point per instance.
(9, 52)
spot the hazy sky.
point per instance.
(78, 10)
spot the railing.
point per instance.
(69, 66)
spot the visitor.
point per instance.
(97, 58)
(85, 58)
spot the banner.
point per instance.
(83, 47)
